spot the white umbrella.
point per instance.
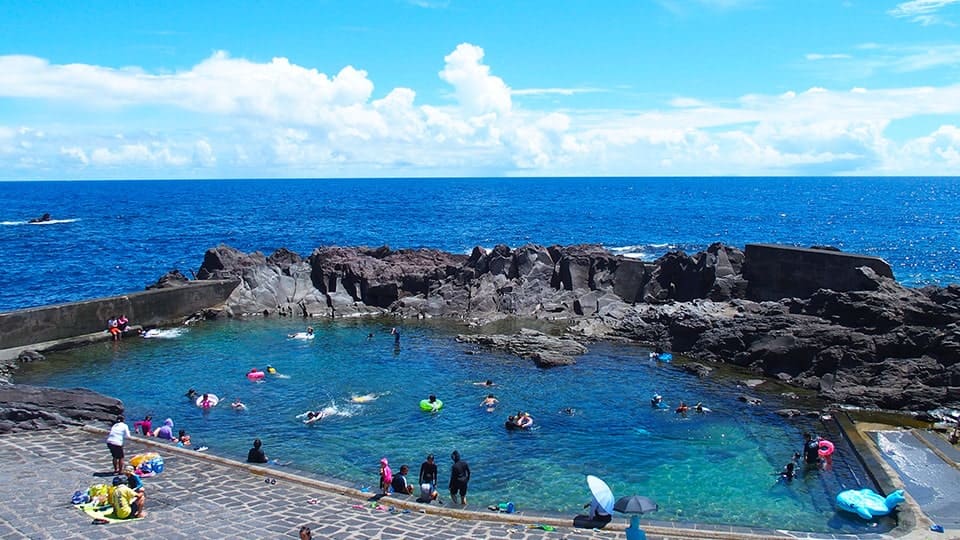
(601, 492)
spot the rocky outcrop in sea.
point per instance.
(819, 319)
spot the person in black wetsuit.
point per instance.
(256, 455)
(459, 478)
(811, 449)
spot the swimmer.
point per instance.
(789, 472)
(569, 411)
(238, 405)
(699, 407)
(313, 417)
(271, 370)
(365, 398)
(656, 400)
(191, 394)
(303, 335)
(682, 408)
(206, 403)
(487, 382)
(489, 402)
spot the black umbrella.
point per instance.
(635, 504)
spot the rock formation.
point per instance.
(834, 322)
(877, 344)
(26, 408)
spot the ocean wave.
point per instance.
(645, 252)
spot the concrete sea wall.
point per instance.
(776, 271)
(154, 307)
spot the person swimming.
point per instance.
(271, 370)
(238, 405)
(789, 472)
(191, 394)
(682, 408)
(656, 400)
(313, 416)
(489, 402)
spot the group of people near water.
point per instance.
(657, 402)
(398, 484)
(128, 496)
(815, 454)
(117, 326)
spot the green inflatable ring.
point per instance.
(425, 405)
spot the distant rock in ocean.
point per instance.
(834, 322)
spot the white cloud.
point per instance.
(833, 56)
(477, 91)
(924, 12)
(278, 119)
(277, 90)
(554, 91)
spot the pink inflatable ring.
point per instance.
(825, 448)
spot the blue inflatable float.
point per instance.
(867, 503)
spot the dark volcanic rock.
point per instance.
(171, 279)
(820, 319)
(546, 351)
(25, 408)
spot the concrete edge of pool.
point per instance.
(912, 523)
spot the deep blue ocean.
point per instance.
(115, 237)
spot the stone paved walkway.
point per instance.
(203, 496)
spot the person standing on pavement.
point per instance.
(459, 478)
(118, 433)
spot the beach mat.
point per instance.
(103, 513)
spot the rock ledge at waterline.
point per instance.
(817, 318)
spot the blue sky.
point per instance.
(136, 89)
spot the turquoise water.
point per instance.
(715, 468)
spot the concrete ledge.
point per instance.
(664, 530)
(57, 322)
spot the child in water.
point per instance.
(183, 439)
(789, 472)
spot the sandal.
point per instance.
(100, 521)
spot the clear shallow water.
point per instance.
(115, 237)
(716, 467)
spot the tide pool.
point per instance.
(591, 418)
